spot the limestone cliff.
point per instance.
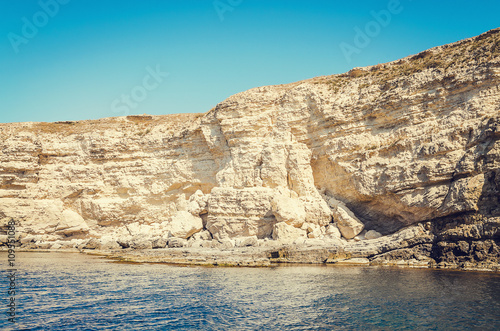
(411, 145)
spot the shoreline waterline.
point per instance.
(245, 257)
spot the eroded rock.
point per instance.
(398, 144)
(287, 233)
(183, 224)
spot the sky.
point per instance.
(64, 60)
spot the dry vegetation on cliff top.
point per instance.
(482, 49)
(140, 124)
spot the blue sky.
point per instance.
(88, 59)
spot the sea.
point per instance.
(72, 291)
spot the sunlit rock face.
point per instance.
(378, 148)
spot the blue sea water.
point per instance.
(69, 291)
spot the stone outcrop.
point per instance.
(364, 155)
(287, 233)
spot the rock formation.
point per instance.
(397, 161)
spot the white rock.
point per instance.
(202, 235)
(183, 224)
(349, 225)
(229, 243)
(246, 241)
(194, 243)
(317, 210)
(208, 243)
(287, 233)
(25, 240)
(174, 242)
(315, 232)
(197, 203)
(110, 245)
(240, 212)
(288, 210)
(93, 243)
(159, 242)
(141, 243)
(332, 231)
(354, 261)
(72, 223)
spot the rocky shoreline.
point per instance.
(472, 246)
(264, 257)
(396, 163)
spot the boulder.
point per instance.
(372, 234)
(72, 223)
(159, 243)
(92, 244)
(246, 241)
(124, 242)
(109, 245)
(349, 225)
(202, 235)
(332, 231)
(141, 243)
(228, 243)
(316, 233)
(287, 233)
(317, 210)
(313, 230)
(174, 242)
(288, 210)
(194, 243)
(197, 203)
(209, 243)
(183, 224)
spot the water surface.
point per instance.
(66, 291)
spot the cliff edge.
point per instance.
(393, 163)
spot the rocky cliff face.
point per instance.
(340, 160)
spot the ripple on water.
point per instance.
(78, 292)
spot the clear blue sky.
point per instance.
(88, 59)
